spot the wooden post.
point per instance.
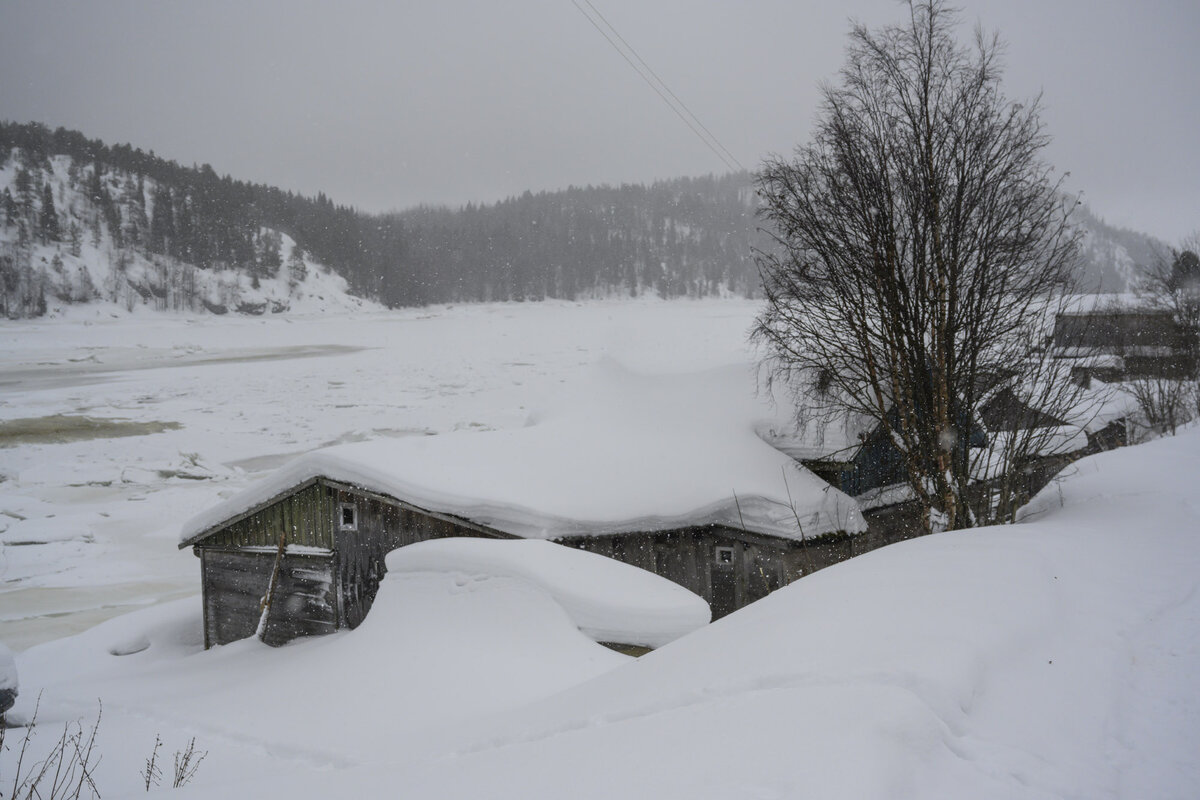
(265, 605)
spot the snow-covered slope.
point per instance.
(87, 265)
(1055, 658)
(1114, 259)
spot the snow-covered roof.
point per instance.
(990, 462)
(610, 601)
(1102, 404)
(624, 452)
(835, 439)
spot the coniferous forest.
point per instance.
(685, 237)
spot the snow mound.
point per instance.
(608, 600)
(435, 651)
(625, 452)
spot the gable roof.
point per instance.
(627, 452)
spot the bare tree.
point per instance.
(921, 243)
(1170, 396)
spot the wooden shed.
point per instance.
(334, 537)
(678, 487)
(336, 534)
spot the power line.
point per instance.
(710, 141)
(682, 105)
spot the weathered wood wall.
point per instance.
(306, 515)
(729, 568)
(234, 583)
(692, 558)
(332, 583)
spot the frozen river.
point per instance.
(114, 430)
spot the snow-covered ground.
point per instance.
(1059, 657)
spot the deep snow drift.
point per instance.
(608, 600)
(1058, 657)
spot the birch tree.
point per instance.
(921, 245)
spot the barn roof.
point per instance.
(625, 452)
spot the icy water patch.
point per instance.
(100, 365)
(62, 428)
(270, 461)
(39, 614)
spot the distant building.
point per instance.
(1116, 344)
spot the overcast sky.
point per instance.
(390, 104)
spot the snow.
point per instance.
(1055, 658)
(1105, 403)
(623, 452)
(989, 462)
(836, 438)
(436, 650)
(609, 601)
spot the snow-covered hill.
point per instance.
(61, 245)
(1113, 259)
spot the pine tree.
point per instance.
(48, 220)
(24, 184)
(162, 221)
(75, 236)
(10, 208)
(297, 270)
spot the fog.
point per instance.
(384, 105)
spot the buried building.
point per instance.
(664, 473)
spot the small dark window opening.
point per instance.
(349, 517)
(724, 555)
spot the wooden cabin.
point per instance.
(679, 485)
(336, 536)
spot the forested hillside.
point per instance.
(689, 237)
(86, 221)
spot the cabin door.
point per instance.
(723, 581)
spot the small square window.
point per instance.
(724, 555)
(349, 517)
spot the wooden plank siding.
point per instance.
(306, 516)
(303, 603)
(690, 557)
(318, 592)
(728, 567)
